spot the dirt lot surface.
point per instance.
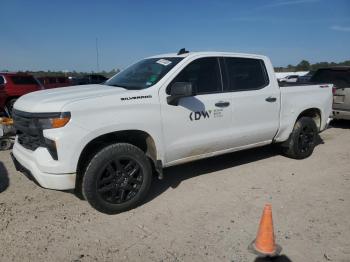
(203, 211)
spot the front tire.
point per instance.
(117, 179)
(302, 140)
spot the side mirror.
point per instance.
(179, 90)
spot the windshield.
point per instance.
(144, 74)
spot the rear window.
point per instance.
(23, 80)
(246, 74)
(340, 78)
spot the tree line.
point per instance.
(305, 65)
(74, 73)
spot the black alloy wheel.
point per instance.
(306, 139)
(120, 180)
(117, 178)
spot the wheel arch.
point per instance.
(138, 138)
(313, 113)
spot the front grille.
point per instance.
(29, 135)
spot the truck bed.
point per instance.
(283, 84)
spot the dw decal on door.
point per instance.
(206, 114)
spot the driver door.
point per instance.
(199, 124)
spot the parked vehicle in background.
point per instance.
(340, 78)
(305, 78)
(54, 81)
(14, 85)
(109, 140)
(289, 79)
(283, 77)
(88, 79)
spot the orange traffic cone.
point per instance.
(264, 245)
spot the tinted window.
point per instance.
(23, 80)
(61, 80)
(144, 74)
(2, 81)
(340, 78)
(52, 80)
(246, 73)
(204, 74)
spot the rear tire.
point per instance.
(117, 179)
(5, 144)
(302, 140)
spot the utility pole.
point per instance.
(97, 58)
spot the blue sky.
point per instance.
(60, 35)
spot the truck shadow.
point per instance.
(344, 124)
(173, 176)
(4, 179)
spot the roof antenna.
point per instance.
(182, 51)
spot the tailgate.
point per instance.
(341, 99)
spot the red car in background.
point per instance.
(14, 85)
(54, 81)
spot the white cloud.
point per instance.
(290, 2)
(340, 28)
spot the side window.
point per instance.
(204, 74)
(2, 81)
(246, 74)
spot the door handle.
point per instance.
(222, 104)
(271, 99)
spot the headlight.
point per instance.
(55, 120)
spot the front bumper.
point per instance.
(24, 161)
(341, 114)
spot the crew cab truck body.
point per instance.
(162, 111)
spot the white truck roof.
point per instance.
(209, 53)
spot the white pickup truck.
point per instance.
(108, 140)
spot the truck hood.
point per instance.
(53, 100)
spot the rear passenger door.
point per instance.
(255, 101)
(199, 124)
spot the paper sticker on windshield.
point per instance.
(164, 62)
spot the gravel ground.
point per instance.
(208, 210)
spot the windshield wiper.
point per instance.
(126, 87)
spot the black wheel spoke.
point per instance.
(110, 169)
(129, 165)
(107, 179)
(122, 194)
(135, 181)
(105, 189)
(134, 171)
(120, 180)
(119, 166)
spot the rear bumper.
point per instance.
(341, 114)
(24, 162)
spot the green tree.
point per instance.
(304, 65)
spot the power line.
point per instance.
(97, 57)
